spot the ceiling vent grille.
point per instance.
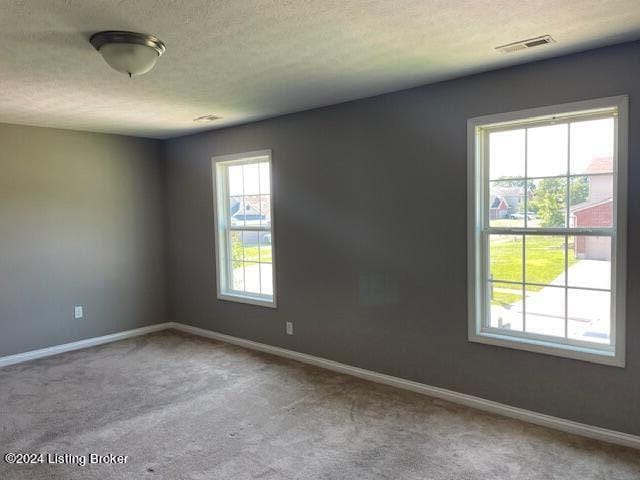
(207, 118)
(525, 44)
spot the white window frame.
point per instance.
(219, 167)
(478, 228)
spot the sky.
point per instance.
(547, 149)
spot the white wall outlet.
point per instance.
(289, 328)
(78, 312)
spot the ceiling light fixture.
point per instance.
(128, 52)
(207, 118)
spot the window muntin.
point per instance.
(244, 228)
(545, 232)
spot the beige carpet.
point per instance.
(182, 407)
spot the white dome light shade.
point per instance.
(129, 58)
(128, 52)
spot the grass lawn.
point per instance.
(544, 263)
(252, 254)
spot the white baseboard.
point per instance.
(597, 433)
(80, 344)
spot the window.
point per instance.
(547, 229)
(244, 228)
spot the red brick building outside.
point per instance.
(594, 215)
(596, 211)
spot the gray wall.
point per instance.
(81, 222)
(373, 192)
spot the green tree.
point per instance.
(511, 183)
(579, 190)
(549, 199)
(236, 249)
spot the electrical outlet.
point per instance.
(289, 328)
(79, 312)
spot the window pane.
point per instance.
(591, 201)
(506, 154)
(547, 202)
(237, 275)
(251, 179)
(250, 243)
(236, 247)
(547, 151)
(265, 209)
(544, 259)
(236, 209)
(592, 146)
(252, 277)
(266, 278)
(589, 316)
(544, 311)
(265, 178)
(245, 252)
(265, 247)
(543, 179)
(506, 306)
(252, 214)
(589, 262)
(505, 257)
(235, 180)
(506, 203)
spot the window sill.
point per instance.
(258, 301)
(586, 354)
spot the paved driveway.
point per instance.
(588, 311)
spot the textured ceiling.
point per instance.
(250, 59)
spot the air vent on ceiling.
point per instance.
(207, 118)
(524, 44)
